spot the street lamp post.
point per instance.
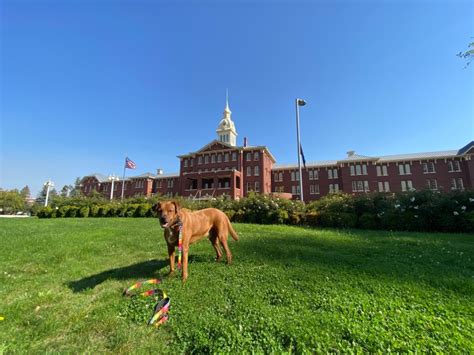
(299, 102)
(48, 185)
(112, 178)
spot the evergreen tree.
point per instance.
(25, 192)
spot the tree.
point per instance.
(11, 201)
(66, 190)
(76, 189)
(25, 192)
(468, 55)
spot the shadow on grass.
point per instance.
(145, 270)
(440, 261)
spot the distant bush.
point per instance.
(414, 211)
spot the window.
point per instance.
(313, 174)
(249, 186)
(206, 159)
(407, 185)
(199, 160)
(159, 184)
(292, 176)
(213, 158)
(139, 184)
(170, 183)
(384, 186)
(454, 166)
(428, 168)
(249, 156)
(192, 160)
(364, 169)
(352, 170)
(115, 187)
(404, 169)
(256, 171)
(314, 189)
(257, 186)
(226, 157)
(255, 156)
(457, 184)
(106, 187)
(275, 177)
(185, 163)
(358, 170)
(366, 186)
(295, 190)
(333, 188)
(219, 158)
(280, 175)
(432, 184)
(234, 156)
(249, 171)
(332, 174)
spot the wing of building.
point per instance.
(222, 168)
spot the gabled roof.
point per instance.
(99, 177)
(207, 146)
(467, 148)
(226, 146)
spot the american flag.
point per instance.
(129, 164)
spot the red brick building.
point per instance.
(223, 168)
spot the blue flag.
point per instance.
(302, 156)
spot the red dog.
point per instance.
(195, 225)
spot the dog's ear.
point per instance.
(177, 206)
(156, 207)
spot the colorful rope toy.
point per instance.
(160, 312)
(180, 244)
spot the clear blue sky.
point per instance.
(85, 82)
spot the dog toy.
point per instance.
(160, 311)
(180, 244)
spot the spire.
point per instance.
(226, 132)
(227, 110)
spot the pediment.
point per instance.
(215, 145)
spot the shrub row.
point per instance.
(106, 210)
(417, 211)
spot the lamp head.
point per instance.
(301, 102)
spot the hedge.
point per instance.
(413, 211)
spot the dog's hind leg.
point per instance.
(215, 243)
(223, 240)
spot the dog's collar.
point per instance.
(175, 223)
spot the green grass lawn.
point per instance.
(289, 289)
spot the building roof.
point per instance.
(99, 177)
(204, 148)
(164, 176)
(314, 164)
(145, 175)
(419, 156)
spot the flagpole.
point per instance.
(123, 179)
(298, 103)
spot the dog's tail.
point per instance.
(232, 231)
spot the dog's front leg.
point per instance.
(171, 254)
(185, 258)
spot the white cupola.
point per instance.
(226, 132)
